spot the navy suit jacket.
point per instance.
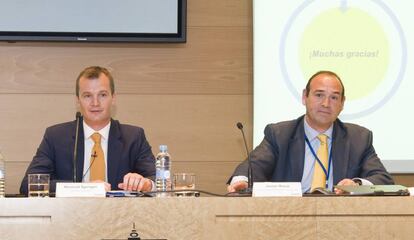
(280, 156)
(128, 151)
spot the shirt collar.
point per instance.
(312, 133)
(88, 131)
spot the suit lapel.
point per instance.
(340, 151)
(114, 152)
(296, 152)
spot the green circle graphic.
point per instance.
(349, 42)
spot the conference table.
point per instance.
(181, 218)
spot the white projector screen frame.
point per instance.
(366, 42)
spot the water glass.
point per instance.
(38, 185)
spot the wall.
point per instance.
(202, 88)
(188, 96)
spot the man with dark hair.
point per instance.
(316, 149)
(117, 154)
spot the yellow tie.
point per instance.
(97, 159)
(319, 177)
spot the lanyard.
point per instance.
(327, 172)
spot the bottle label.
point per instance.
(164, 174)
(167, 174)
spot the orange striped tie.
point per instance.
(97, 159)
(319, 176)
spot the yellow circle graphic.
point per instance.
(349, 42)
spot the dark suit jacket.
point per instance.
(280, 156)
(128, 151)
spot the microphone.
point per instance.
(75, 148)
(249, 171)
(93, 157)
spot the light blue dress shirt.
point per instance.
(309, 164)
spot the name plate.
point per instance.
(277, 189)
(80, 190)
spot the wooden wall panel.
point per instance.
(220, 13)
(404, 179)
(213, 61)
(14, 175)
(201, 126)
(204, 86)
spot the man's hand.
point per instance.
(237, 186)
(107, 185)
(135, 182)
(345, 182)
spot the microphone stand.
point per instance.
(249, 189)
(75, 149)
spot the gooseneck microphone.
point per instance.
(75, 148)
(249, 171)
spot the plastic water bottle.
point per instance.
(163, 174)
(2, 177)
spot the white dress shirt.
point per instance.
(88, 131)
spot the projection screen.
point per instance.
(366, 42)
